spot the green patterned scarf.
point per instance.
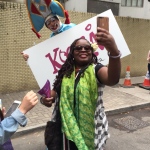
(78, 122)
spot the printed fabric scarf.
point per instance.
(78, 120)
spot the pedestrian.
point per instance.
(77, 92)
(9, 125)
(148, 59)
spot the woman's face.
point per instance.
(53, 24)
(82, 53)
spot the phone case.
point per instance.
(0, 104)
(103, 22)
(13, 107)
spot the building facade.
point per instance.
(126, 8)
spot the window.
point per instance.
(129, 3)
(132, 3)
(140, 3)
(62, 1)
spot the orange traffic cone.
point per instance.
(127, 81)
(146, 83)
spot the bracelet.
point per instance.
(41, 100)
(115, 56)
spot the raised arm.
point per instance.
(109, 75)
(9, 125)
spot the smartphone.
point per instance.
(0, 104)
(103, 22)
(12, 108)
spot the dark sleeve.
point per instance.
(97, 67)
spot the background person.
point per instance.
(9, 125)
(49, 17)
(53, 23)
(81, 110)
(148, 59)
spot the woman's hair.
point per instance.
(68, 67)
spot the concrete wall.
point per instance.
(16, 36)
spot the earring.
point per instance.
(73, 58)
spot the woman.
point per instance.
(81, 109)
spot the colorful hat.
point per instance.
(39, 10)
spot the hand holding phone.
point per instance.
(103, 22)
(12, 108)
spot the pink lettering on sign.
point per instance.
(92, 36)
(60, 54)
(54, 63)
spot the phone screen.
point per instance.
(103, 22)
(12, 109)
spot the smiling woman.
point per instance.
(82, 53)
(77, 92)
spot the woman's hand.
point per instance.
(103, 37)
(47, 101)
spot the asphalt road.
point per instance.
(30, 141)
(128, 131)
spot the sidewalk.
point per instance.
(116, 100)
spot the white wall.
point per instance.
(81, 5)
(136, 12)
(112, 1)
(76, 5)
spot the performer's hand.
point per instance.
(25, 56)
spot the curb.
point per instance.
(126, 109)
(21, 131)
(41, 127)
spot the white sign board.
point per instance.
(46, 58)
